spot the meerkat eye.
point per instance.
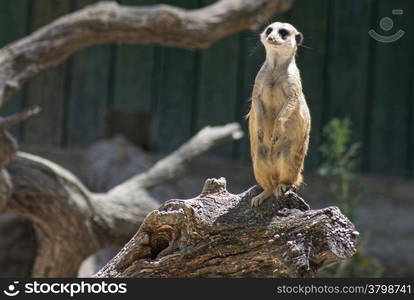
(283, 33)
(269, 30)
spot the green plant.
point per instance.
(339, 160)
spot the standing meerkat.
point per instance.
(279, 118)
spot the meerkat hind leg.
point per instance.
(258, 200)
(281, 190)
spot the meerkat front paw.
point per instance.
(258, 200)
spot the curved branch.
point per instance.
(108, 22)
(173, 165)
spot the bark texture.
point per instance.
(109, 22)
(218, 234)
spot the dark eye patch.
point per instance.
(269, 30)
(283, 33)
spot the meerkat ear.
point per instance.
(299, 38)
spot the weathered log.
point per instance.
(108, 22)
(218, 234)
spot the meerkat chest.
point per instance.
(273, 96)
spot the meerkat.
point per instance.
(279, 118)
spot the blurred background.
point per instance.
(360, 92)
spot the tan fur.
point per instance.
(279, 119)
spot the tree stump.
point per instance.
(218, 234)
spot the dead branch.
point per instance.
(108, 22)
(218, 234)
(18, 118)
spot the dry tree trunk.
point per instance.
(218, 234)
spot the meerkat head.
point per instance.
(281, 38)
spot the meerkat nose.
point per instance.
(272, 40)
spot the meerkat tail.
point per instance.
(258, 200)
